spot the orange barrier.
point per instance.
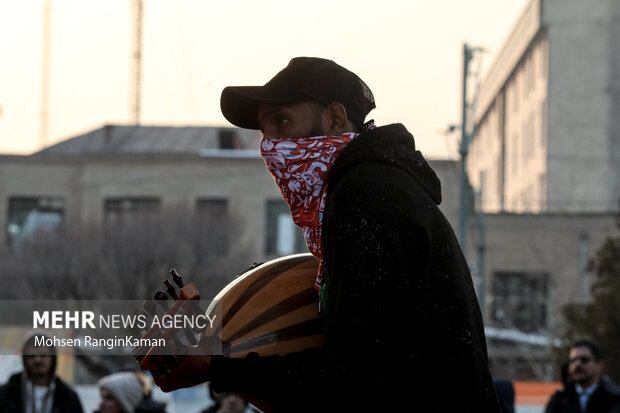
(534, 393)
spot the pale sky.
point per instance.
(409, 52)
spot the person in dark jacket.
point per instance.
(37, 389)
(215, 399)
(587, 390)
(402, 324)
(505, 393)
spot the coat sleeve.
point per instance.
(68, 398)
(76, 404)
(552, 404)
(3, 398)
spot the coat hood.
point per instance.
(28, 342)
(392, 145)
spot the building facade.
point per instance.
(117, 170)
(547, 115)
(545, 161)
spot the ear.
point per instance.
(335, 120)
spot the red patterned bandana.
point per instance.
(300, 168)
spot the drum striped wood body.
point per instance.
(271, 309)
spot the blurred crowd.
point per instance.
(37, 388)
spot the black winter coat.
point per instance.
(11, 399)
(402, 324)
(605, 399)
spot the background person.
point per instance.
(37, 389)
(215, 398)
(148, 404)
(505, 393)
(120, 393)
(233, 403)
(587, 390)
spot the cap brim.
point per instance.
(239, 104)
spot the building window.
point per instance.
(525, 69)
(533, 63)
(544, 61)
(283, 237)
(227, 139)
(515, 93)
(520, 300)
(525, 140)
(529, 137)
(119, 210)
(533, 132)
(544, 114)
(213, 221)
(542, 191)
(483, 189)
(214, 208)
(500, 181)
(514, 156)
(29, 215)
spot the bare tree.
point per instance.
(126, 259)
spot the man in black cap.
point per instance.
(402, 324)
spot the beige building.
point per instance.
(545, 159)
(547, 136)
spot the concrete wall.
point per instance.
(85, 182)
(581, 38)
(178, 181)
(545, 243)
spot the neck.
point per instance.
(587, 384)
(41, 380)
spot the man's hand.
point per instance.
(183, 371)
(177, 372)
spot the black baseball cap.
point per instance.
(305, 78)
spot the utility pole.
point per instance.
(135, 89)
(45, 68)
(466, 136)
(463, 151)
(481, 255)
